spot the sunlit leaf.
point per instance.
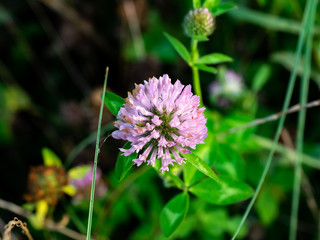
(124, 164)
(223, 192)
(173, 213)
(213, 58)
(179, 47)
(200, 165)
(113, 102)
(222, 8)
(50, 158)
(210, 4)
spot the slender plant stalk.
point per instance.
(301, 126)
(272, 117)
(195, 70)
(96, 159)
(302, 36)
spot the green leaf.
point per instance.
(79, 171)
(228, 162)
(50, 158)
(200, 165)
(205, 68)
(267, 206)
(200, 38)
(210, 4)
(213, 58)
(179, 47)
(113, 102)
(174, 179)
(124, 164)
(225, 191)
(196, 4)
(261, 77)
(222, 8)
(173, 213)
(191, 174)
(206, 152)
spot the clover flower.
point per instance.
(227, 90)
(163, 120)
(199, 22)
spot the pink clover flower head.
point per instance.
(161, 120)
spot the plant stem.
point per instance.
(195, 70)
(96, 159)
(301, 126)
(302, 36)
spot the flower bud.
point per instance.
(199, 22)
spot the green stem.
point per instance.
(96, 159)
(302, 36)
(195, 70)
(301, 126)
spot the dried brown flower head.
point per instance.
(46, 183)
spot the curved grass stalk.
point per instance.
(96, 159)
(302, 37)
(301, 126)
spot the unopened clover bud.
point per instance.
(199, 22)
